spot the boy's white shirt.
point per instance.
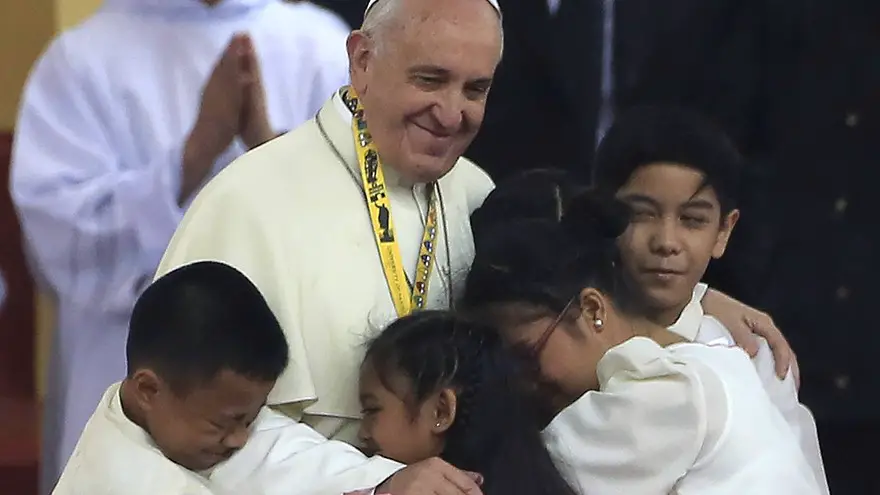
(696, 326)
(116, 457)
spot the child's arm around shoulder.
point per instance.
(746, 324)
(642, 431)
(286, 457)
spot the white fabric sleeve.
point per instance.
(641, 433)
(283, 457)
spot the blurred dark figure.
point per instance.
(352, 11)
(570, 65)
(544, 103)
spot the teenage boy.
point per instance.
(680, 176)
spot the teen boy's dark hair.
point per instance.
(201, 319)
(657, 134)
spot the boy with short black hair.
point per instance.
(204, 350)
(680, 177)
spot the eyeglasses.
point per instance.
(537, 348)
(543, 391)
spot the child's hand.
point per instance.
(744, 322)
(432, 477)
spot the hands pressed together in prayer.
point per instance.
(233, 104)
(746, 324)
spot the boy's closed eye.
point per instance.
(642, 215)
(694, 221)
(225, 423)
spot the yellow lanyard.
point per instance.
(406, 299)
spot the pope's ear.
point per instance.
(360, 52)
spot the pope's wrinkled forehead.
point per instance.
(493, 3)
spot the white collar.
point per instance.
(341, 108)
(128, 427)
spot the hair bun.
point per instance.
(535, 194)
(592, 216)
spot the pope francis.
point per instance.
(361, 214)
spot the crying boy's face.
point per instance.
(207, 425)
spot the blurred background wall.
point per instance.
(26, 320)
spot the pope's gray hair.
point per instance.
(384, 13)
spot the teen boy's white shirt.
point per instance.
(114, 456)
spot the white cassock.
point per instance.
(292, 216)
(691, 418)
(116, 457)
(96, 162)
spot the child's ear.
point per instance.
(594, 311)
(444, 410)
(728, 222)
(147, 386)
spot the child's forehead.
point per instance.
(668, 183)
(228, 393)
(376, 378)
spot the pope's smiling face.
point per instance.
(425, 80)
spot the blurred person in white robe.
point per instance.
(122, 120)
(204, 350)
